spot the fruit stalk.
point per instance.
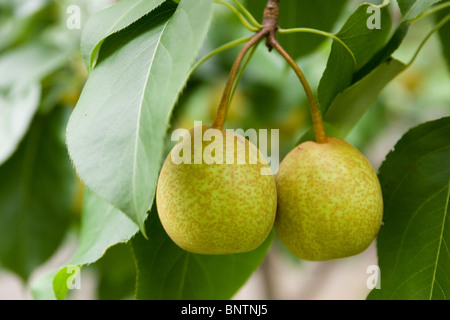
(270, 25)
(224, 102)
(315, 111)
(269, 30)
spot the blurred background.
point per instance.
(269, 96)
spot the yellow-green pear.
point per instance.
(330, 204)
(212, 195)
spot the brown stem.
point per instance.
(223, 106)
(270, 26)
(315, 111)
(270, 19)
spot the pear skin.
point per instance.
(330, 204)
(217, 208)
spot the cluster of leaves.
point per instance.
(37, 90)
(139, 55)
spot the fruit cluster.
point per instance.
(324, 202)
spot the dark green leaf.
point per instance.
(444, 34)
(111, 20)
(362, 41)
(37, 191)
(413, 252)
(318, 14)
(117, 274)
(116, 133)
(385, 53)
(167, 272)
(412, 8)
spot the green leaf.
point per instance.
(444, 34)
(22, 69)
(61, 281)
(318, 14)
(412, 8)
(116, 133)
(20, 21)
(32, 61)
(16, 113)
(349, 107)
(37, 192)
(108, 21)
(42, 287)
(413, 252)
(321, 15)
(102, 226)
(362, 41)
(165, 271)
(385, 53)
(117, 274)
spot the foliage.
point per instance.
(126, 78)
(187, 276)
(412, 245)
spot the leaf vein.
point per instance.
(440, 242)
(402, 241)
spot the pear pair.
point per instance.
(325, 200)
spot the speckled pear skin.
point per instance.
(330, 204)
(217, 208)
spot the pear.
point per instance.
(222, 205)
(330, 204)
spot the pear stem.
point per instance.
(224, 102)
(315, 111)
(269, 30)
(270, 25)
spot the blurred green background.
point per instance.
(36, 46)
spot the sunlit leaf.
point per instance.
(116, 133)
(111, 20)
